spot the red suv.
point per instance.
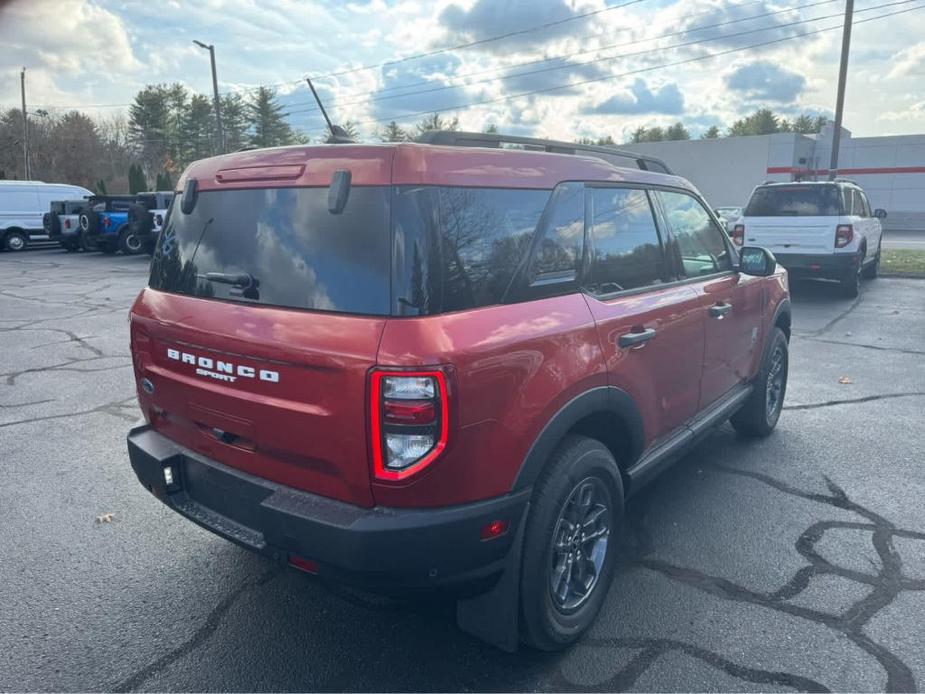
(410, 366)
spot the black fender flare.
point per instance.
(783, 308)
(608, 399)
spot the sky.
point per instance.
(550, 68)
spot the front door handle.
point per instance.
(636, 338)
(719, 310)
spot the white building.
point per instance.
(891, 169)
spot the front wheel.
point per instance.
(759, 415)
(130, 243)
(15, 241)
(569, 549)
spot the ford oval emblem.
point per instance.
(147, 386)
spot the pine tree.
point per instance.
(677, 132)
(606, 140)
(350, 128)
(100, 187)
(492, 129)
(148, 126)
(393, 133)
(197, 129)
(710, 133)
(235, 121)
(761, 122)
(269, 127)
(435, 122)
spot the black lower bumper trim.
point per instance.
(377, 548)
(834, 266)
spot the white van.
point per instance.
(815, 229)
(22, 204)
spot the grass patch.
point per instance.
(902, 261)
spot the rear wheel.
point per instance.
(569, 555)
(851, 283)
(14, 241)
(760, 413)
(129, 242)
(872, 270)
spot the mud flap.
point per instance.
(494, 615)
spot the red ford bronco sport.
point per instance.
(410, 366)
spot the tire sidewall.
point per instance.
(14, 241)
(573, 462)
(778, 340)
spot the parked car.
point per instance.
(104, 225)
(62, 223)
(413, 367)
(147, 216)
(23, 205)
(816, 229)
(728, 216)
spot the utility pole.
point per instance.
(25, 128)
(842, 78)
(220, 135)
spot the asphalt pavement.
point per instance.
(795, 562)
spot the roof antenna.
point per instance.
(338, 134)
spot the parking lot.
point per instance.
(797, 562)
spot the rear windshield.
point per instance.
(280, 247)
(402, 250)
(795, 201)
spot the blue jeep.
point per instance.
(104, 225)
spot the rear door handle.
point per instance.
(636, 338)
(719, 310)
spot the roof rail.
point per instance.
(845, 180)
(617, 157)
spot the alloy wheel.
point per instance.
(774, 387)
(579, 545)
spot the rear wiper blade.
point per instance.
(234, 279)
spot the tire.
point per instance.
(579, 467)
(140, 219)
(89, 221)
(873, 270)
(15, 241)
(85, 244)
(759, 415)
(851, 283)
(129, 242)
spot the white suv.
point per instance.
(815, 229)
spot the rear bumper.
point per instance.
(829, 266)
(383, 549)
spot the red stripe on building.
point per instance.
(856, 172)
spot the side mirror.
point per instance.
(757, 261)
(880, 213)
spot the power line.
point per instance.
(480, 42)
(616, 45)
(651, 68)
(370, 97)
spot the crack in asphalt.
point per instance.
(886, 584)
(854, 401)
(832, 323)
(879, 348)
(199, 637)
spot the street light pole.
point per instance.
(840, 97)
(25, 128)
(220, 135)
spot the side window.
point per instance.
(700, 243)
(624, 244)
(484, 233)
(865, 203)
(558, 252)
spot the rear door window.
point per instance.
(795, 201)
(625, 252)
(699, 243)
(558, 253)
(280, 247)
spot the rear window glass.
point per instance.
(795, 201)
(280, 247)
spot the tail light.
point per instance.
(107, 222)
(158, 219)
(844, 234)
(67, 223)
(409, 421)
(738, 234)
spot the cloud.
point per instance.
(766, 82)
(667, 99)
(735, 20)
(487, 18)
(908, 62)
